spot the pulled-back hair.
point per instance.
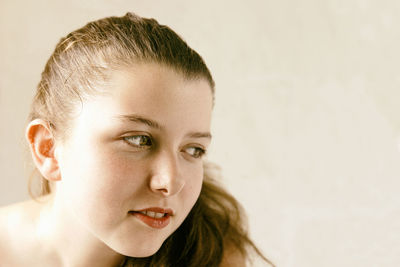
(79, 67)
(83, 60)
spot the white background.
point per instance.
(306, 121)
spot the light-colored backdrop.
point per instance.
(306, 121)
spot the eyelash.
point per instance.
(140, 145)
(198, 152)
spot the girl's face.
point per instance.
(131, 167)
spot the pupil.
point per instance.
(144, 140)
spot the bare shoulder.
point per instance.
(8, 224)
(16, 224)
(14, 215)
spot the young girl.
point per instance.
(118, 128)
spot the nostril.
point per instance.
(163, 190)
(160, 184)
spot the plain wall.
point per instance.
(306, 121)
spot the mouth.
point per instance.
(157, 218)
(155, 215)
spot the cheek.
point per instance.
(99, 184)
(193, 187)
(116, 179)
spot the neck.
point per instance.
(71, 242)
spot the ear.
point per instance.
(42, 145)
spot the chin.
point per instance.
(140, 251)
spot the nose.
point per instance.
(165, 177)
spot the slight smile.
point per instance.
(157, 218)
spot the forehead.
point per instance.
(160, 93)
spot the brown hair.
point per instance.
(80, 64)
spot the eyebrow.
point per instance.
(140, 119)
(156, 125)
(199, 135)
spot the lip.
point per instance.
(157, 209)
(157, 223)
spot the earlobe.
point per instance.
(42, 145)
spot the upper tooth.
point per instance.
(151, 213)
(159, 215)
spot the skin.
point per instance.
(107, 167)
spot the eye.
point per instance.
(195, 152)
(140, 141)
